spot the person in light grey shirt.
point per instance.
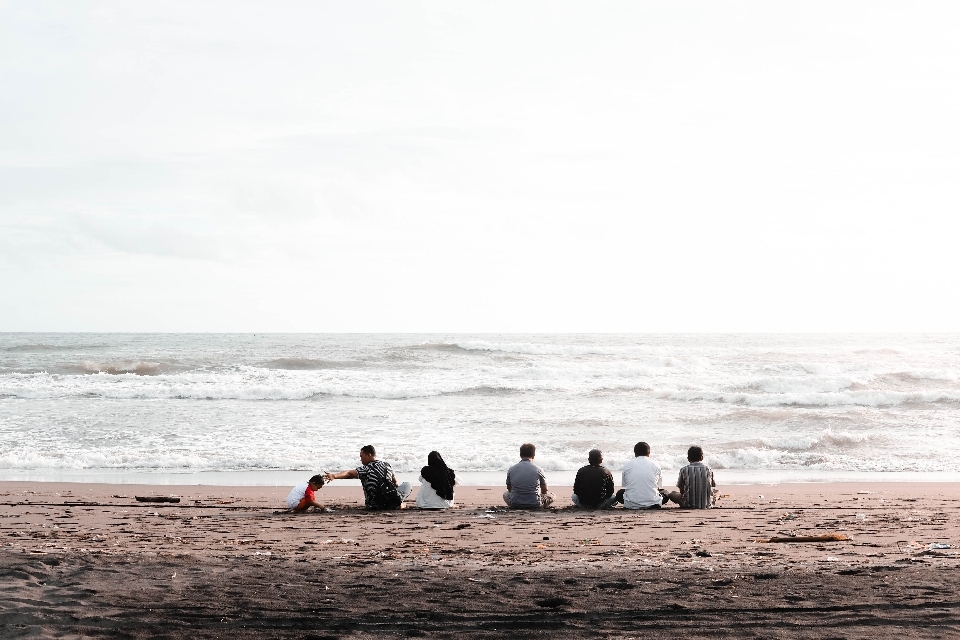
(526, 482)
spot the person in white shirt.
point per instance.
(303, 496)
(642, 481)
(437, 481)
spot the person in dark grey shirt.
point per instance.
(526, 482)
(593, 488)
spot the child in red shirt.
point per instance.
(303, 496)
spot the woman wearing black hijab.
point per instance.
(437, 480)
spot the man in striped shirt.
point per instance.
(380, 487)
(696, 486)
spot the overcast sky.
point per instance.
(479, 166)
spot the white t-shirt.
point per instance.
(427, 497)
(296, 495)
(642, 480)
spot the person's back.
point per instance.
(593, 486)
(303, 495)
(696, 486)
(380, 487)
(379, 492)
(298, 493)
(695, 483)
(437, 483)
(525, 480)
(642, 480)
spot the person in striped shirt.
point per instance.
(697, 489)
(380, 487)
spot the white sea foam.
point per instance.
(829, 399)
(938, 376)
(406, 461)
(807, 384)
(140, 368)
(252, 383)
(826, 439)
(249, 383)
(666, 357)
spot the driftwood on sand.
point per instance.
(830, 537)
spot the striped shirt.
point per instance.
(379, 492)
(696, 486)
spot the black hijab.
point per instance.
(439, 475)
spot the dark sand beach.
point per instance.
(88, 560)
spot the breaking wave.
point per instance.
(41, 348)
(813, 399)
(135, 368)
(825, 440)
(670, 355)
(301, 380)
(242, 456)
(434, 346)
(308, 364)
(936, 376)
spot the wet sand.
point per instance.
(88, 560)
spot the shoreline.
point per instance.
(348, 493)
(269, 478)
(87, 560)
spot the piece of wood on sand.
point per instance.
(156, 499)
(830, 537)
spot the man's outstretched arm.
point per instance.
(341, 475)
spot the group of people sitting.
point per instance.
(380, 487)
(642, 483)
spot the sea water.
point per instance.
(273, 409)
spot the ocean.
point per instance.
(273, 409)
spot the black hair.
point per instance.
(439, 475)
(368, 449)
(595, 456)
(641, 449)
(695, 454)
(317, 479)
(527, 450)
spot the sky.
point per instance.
(479, 166)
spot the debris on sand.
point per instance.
(830, 537)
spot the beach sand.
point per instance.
(88, 560)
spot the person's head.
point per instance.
(316, 482)
(595, 456)
(435, 460)
(367, 454)
(694, 454)
(528, 450)
(641, 449)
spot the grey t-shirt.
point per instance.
(524, 481)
